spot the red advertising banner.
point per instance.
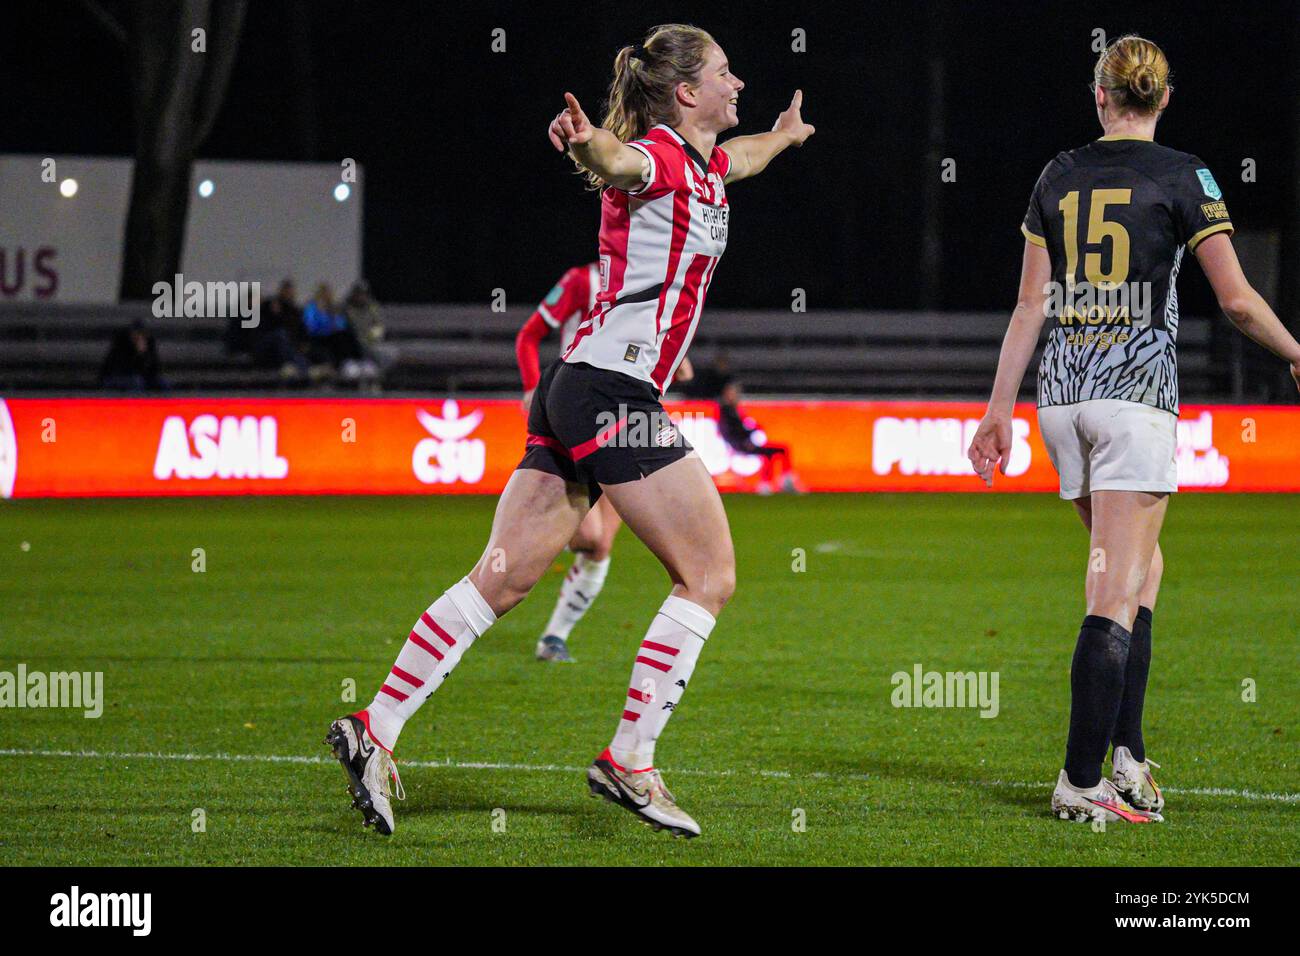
(218, 446)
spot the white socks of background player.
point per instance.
(581, 585)
(663, 667)
(436, 644)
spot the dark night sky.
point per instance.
(464, 193)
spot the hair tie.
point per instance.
(639, 52)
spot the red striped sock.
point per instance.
(432, 650)
(664, 663)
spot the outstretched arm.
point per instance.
(751, 154)
(595, 148)
(1243, 306)
(991, 445)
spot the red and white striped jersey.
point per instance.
(659, 245)
(569, 302)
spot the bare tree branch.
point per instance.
(176, 95)
(225, 23)
(106, 20)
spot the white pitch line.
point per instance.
(1194, 791)
(560, 768)
(428, 764)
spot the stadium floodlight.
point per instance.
(341, 192)
(68, 188)
(205, 188)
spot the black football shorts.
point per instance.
(593, 426)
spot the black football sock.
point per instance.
(1096, 686)
(1128, 726)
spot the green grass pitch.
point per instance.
(208, 676)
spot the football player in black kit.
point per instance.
(1107, 230)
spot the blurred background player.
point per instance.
(743, 435)
(663, 230)
(564, 307)
(1106, 231)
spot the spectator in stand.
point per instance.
(333, 340)
(279, 340)
(240, 339)
(364, 316)
(132, 362)
(743, 434)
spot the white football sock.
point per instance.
(582, 583)
(664, 663)
(435, 646)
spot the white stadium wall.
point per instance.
(265, 221)
(259, 222)
(62, 249)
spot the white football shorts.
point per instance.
(1109, 444)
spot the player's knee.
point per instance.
(1156, 572)
(713, 584)
(1115, 598)
(502, 587)
(726, 583)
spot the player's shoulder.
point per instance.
(720, 160)
(1188, 171)
(575, 275)
(665, 150)
(1175, 157)
(1057, 166)
(1180, 173)
(1162, 159)
(660, 136)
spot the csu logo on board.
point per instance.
(449, 455)
(211, 447)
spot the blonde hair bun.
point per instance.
(1134, 72)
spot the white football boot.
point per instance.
(642, 792)
(1101, 803)
(554, 649)
(368, 767)
(1132, 778)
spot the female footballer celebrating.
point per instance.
(1105, 234)
(563, 309)
(664, 222)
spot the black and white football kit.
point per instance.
(1116, 217)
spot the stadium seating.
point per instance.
(470, 350)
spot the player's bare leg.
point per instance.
(536, 514)
(1130, 768)
(678, 514)
(536, 517)
(583, 581)
(1125, 527)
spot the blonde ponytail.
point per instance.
(644, 89)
